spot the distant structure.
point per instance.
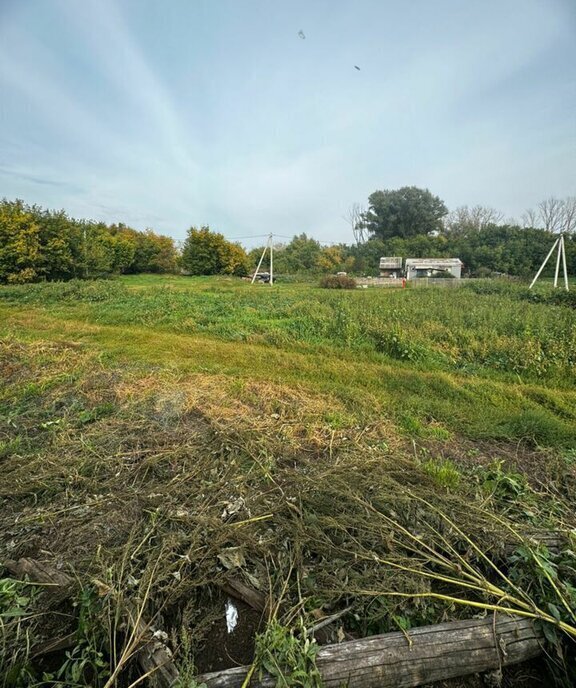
(391, 266)
(433, 267)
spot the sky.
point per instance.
(168, 114)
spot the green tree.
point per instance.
(300, 255)
(335, 259)
(20, 243)
(40, 244)
(405, 212)
(153, 253)
(98, 250)
(209, 253)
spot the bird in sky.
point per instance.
(357, 67)
(301, 34)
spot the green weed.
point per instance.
(443, 472)
(287, 655)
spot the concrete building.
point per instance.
(433, 267)
(391, 266)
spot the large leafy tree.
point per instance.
(404, 212)
(209, 253)
(20, 242)
(298, 256)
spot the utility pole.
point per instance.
(271, 260)
(269, 245)
(559, 243)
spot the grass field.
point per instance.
(159, 433)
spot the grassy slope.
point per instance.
(480, 366)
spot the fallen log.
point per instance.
(154, 656)
(423, 655)
(554, 542)
(59, 583)
(236, 588)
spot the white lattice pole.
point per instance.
(564, 265)
(544, 263)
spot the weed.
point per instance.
(551, 579)
(508, 489)
(288, 655)
(186, 667)
(15, 609)
(397, 345)
(443, 472)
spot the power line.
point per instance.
(282, 236)
(251, 236)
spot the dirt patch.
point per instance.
(223, 649)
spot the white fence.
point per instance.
(436, 282)
(378, 282)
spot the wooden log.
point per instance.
(236, 588)
(154, 656)
(54, 645)
(432, 653)
(554, 542)
(59, 584)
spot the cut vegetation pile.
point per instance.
(160, 488)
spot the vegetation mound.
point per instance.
(338, 282)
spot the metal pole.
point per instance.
(564, 265)
(271, 260)
(543, 264)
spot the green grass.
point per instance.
(482, 365)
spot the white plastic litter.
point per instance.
(231, 616)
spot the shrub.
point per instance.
(338, 282)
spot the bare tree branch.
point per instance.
(472, 219)
(530, 218)
(551, 213)
(569, 214)
(354, 217)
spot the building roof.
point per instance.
(391, 262)
(423, 263)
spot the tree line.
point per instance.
(38, 244)
(492, 250)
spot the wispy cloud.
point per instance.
(42, 181)
(208, 112)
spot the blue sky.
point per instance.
(170, 113)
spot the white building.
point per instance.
(433, 267)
